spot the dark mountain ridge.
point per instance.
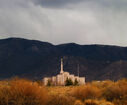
(35, 59)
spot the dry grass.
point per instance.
(61, 100)
(86, 92)
(97, 102)
(60, 90)
(60, 95)
(25, 92)
(22, 92)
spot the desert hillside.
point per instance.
(35, 59)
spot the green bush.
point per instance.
(68, 82)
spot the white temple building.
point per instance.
(59, 80)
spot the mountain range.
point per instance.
(35, 59)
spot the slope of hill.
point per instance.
(34, 59)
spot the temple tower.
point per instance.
(61, 71)
(78, 70)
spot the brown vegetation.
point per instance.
(61, 100)
(25, 92)
(87, 92)
(22, 92)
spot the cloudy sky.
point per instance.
(65, 21)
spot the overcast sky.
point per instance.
(65, 21)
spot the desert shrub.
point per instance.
(78, 102)
(61, 100)
(22, 92)
(39, 82)
(112, 92)
(97, 102)
(86, 92)
(116, 93)
(102, 84)
(4, 93)
(120, 102)
(91, 102)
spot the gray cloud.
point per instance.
(55, 3)
(65, 3)
(63, 21)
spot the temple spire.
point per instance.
(61, 71)
(78, 70)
